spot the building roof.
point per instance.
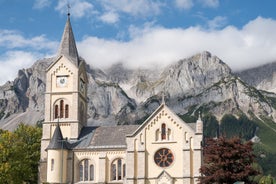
(68, 46)
(105, 136)
(57, 141)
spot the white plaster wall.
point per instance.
(59, 171)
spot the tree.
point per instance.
(19, 155)
(227, 161)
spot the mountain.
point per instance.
(120, 95)
(262, 77)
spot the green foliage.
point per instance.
(243, 127)
(267, 161)
(19, 155)
(266, 180)
(210, 126)
(227, 161)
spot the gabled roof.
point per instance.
(105, 137)
(68, 46)
(57, 141)
(163, 106)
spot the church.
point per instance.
(162, 150)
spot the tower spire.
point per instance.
(68, 46)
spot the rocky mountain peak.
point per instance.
(119, 95)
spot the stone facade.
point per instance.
(163, 150)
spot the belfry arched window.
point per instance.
(86, 170)
(66, 111)
(118, 170)
(56, 111)
(61, 109)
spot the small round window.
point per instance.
(163, 157)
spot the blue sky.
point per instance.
(139, 33)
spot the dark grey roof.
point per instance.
(68, 45)
(57, 141)
(105, 136)
(192, 125)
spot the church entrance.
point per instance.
(164, 178)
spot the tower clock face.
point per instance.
(62, 81)
(163, 157)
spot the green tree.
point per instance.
(20, 153)
(210, 126)
(6, 153)
(227, 161)
(243, 127)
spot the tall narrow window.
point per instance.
(119, 169)
(163, 132)
(61, 108)
(66, 111)
(81, 172)
(113, 172)
(52, 164)
(56, 111)
(85, 170)
(81, 118)
(124, 170)
(91, 172)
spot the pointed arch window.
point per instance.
(86, 170)
(163, 131)
(118, 168)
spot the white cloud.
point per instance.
(217, 22)
(210, 3)
(40, 4)
(21, 52)
(110, 17)
(12, 39)
(184, 4)
(252, 45)
(78, 8)
(13, 61)
(133, 7)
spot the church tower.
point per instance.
(66, 94)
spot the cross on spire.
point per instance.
(68, 9)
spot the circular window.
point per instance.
(163, 157)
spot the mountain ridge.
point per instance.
(119, 95)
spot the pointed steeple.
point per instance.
(68, 45)
(57, 141)
(199, 124)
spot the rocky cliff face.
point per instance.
(262, 77)
(124, 96)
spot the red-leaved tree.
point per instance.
(227, 161)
